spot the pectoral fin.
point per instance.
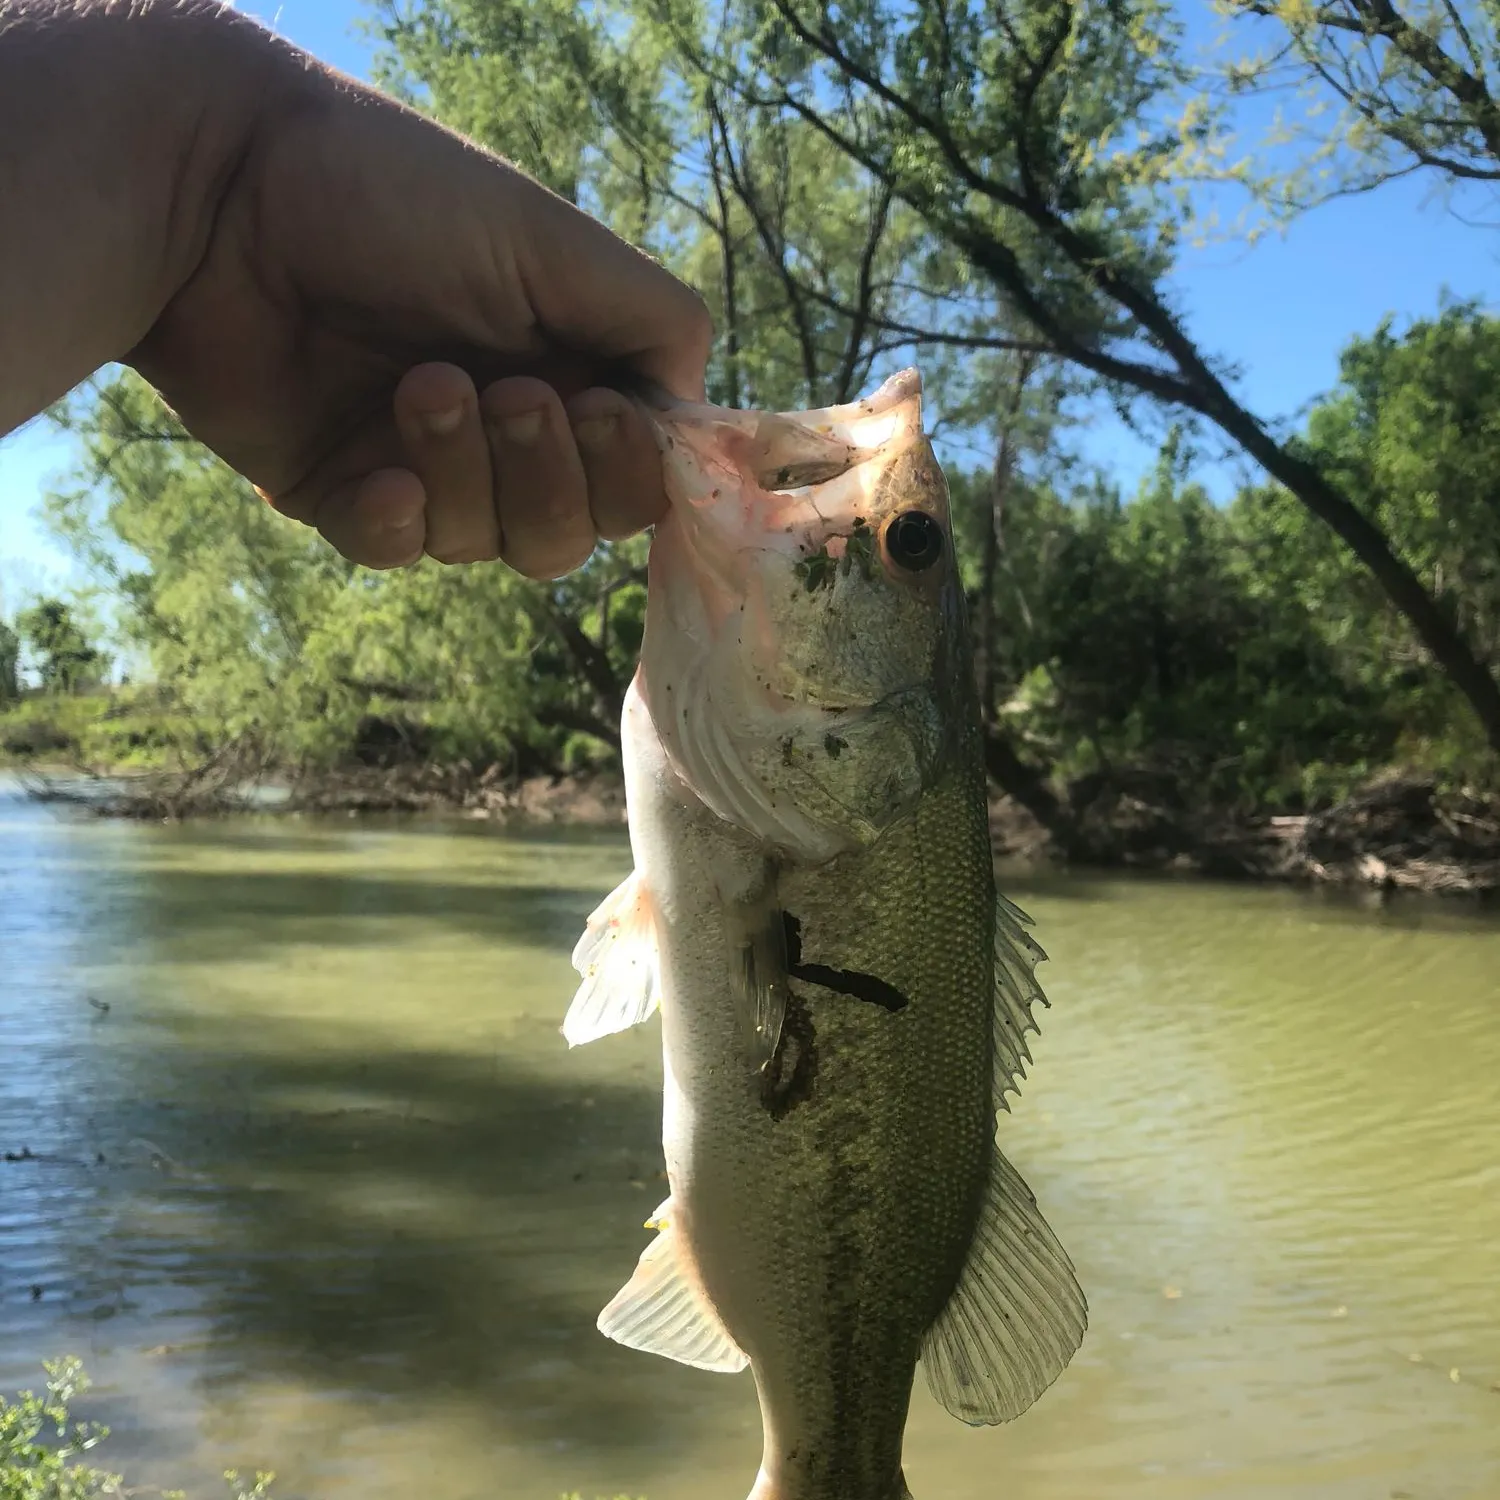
(617, 958)
(758, 937)
(660, 1310)
(1016, 1317)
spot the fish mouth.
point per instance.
(761, 478)
(790, 645)
(762, 501)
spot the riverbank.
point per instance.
(1401, 831)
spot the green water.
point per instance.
(324, 1190)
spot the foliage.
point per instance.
(63, 658)
(1046, 156)
(998, 195)
(1414, 430)
(1370, 90)
(40, 1441)
(1135, 638)
(33, 1468)
(10, 661)
(819, 279)
(128, 728)
(1240, 654)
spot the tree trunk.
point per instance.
(984, 621)
(1024, 782)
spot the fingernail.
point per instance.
(525, 427)
(595, 434)
(442, 423)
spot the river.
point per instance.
(323, 1190)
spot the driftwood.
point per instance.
(217, 784)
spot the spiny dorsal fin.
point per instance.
(617, 958)
(1016, 1317)
(660, 1310)
(1017, 994)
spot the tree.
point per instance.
(10, 662)
(819, 278)
(1413, 429)
(271, 645)
(1411, 83)
(64, 659)
(1036, 143)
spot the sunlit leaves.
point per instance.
(1368, 90)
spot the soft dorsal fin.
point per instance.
(616, 957)
(1017, 994)
(1016, 1317)
(660, 1310)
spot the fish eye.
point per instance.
(914, 541)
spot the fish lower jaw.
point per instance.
(770, 1486)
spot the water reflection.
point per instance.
(324, 1189)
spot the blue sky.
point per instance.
(1280, 310)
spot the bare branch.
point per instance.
(774, 245)
(861, 315)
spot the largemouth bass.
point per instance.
(844, 996)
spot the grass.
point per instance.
(42, 1445)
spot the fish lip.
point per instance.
(776, 463)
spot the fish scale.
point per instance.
(880, 1171)
(843, 1001)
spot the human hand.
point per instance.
(407, 343)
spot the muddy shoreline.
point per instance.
(1399, 832)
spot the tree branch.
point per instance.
(861, 314)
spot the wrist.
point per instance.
(121, 124)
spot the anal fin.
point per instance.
(1016, 1317)
(660, 1311)
(616, 957)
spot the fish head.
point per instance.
(805, 661)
